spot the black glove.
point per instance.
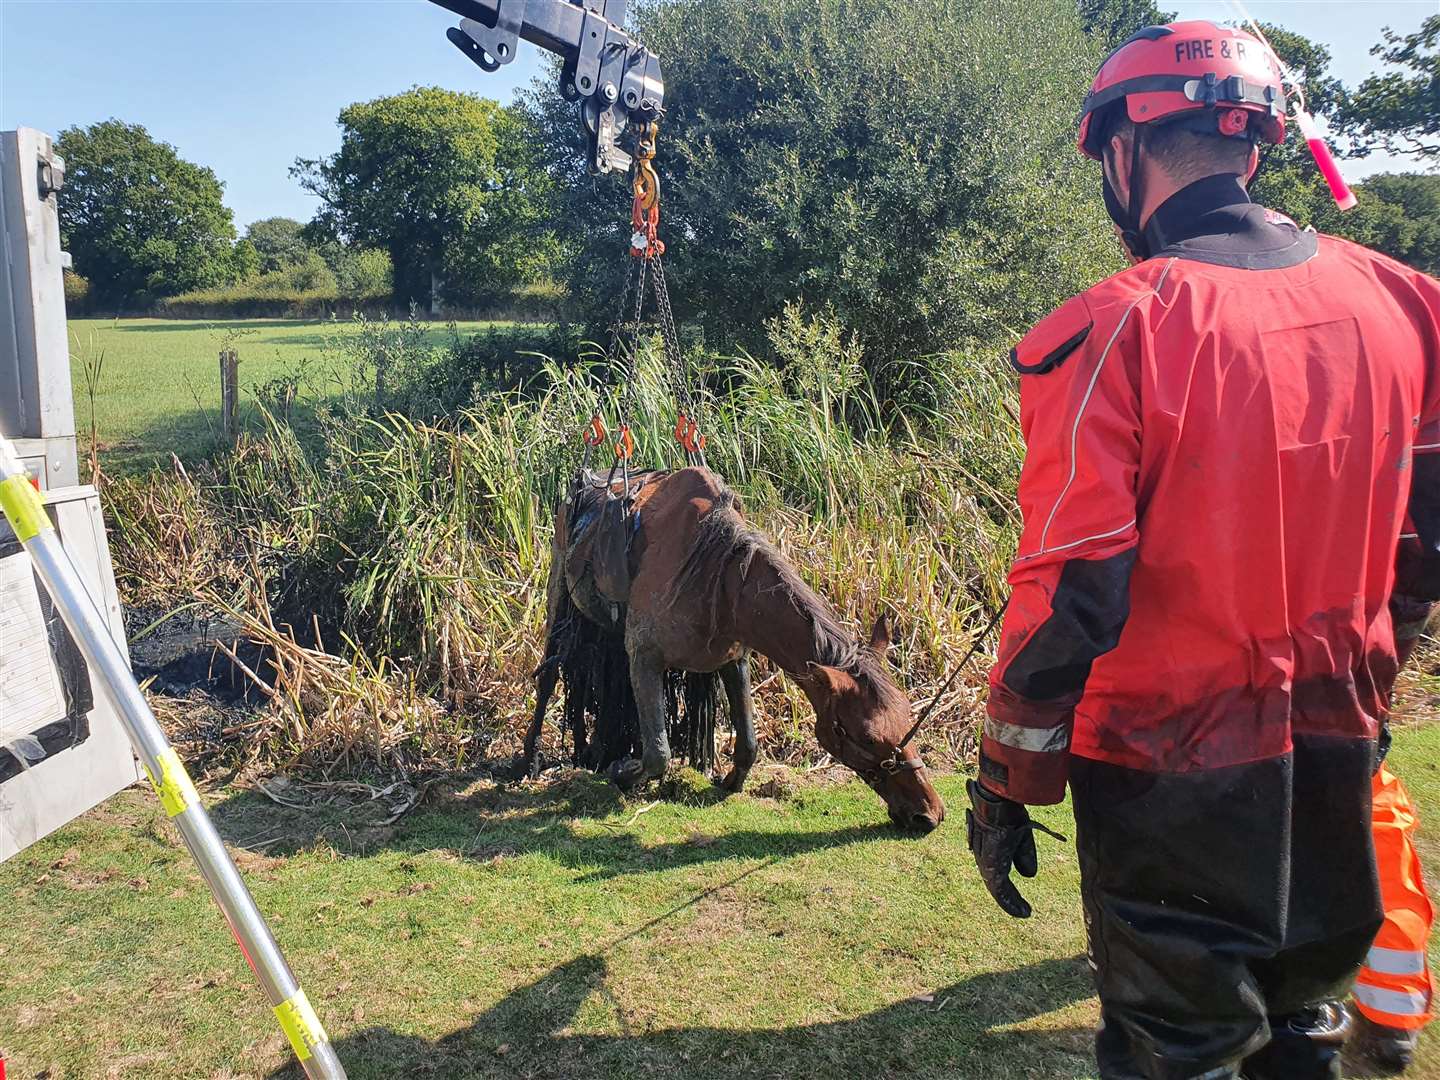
(1001, 835)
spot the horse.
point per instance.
(668, 573)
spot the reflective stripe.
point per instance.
(1395, 961)
(301, 1026)
(1083, 540)
(1394, 1002)
(21, 503)
(1036, 740)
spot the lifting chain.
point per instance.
(647, 252)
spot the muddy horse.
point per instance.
(668, 577)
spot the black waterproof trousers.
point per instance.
(1223, 906)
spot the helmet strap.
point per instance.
(1134, 235)
(1127, 217)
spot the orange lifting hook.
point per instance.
(687, 434)
(595, 434)
(646, 185)
(625, 447)
(645, 211)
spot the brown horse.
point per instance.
(703, 589)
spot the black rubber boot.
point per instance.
(1303, 1046)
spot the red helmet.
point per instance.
(1224, 78)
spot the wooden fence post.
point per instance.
(229, 391)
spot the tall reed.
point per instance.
(413, 554)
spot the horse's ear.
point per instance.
(831, 679)
(880, 635)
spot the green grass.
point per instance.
(553, 931)
(159, 389)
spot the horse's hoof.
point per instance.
(734, 782)
(627, 774)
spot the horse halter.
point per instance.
(895, 763)
(879, 769)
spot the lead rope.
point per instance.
(954, 674)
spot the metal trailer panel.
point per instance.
(66, 784)
(36, 404)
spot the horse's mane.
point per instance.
(724, 537)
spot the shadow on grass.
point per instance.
(556, 820)
(961, 1033)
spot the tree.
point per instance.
(279, 242)
(1395, 111)
(141, 222)
(908, 165)
(1112, 21)
(247, 260)
(506, 241)
(1398, 214)
(424, 174)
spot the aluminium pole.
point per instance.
(20, 501)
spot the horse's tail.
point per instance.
(691, 702)
(598, 701)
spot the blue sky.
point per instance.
(247, 86)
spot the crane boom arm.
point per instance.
(615, 80)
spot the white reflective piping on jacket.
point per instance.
(1051, 740)
(1080, 417)
(1394, 1002)
(1427, 446)
(1395, 961)
(1077, 543)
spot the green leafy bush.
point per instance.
(305, 289)
(367, 272)
(77, 292)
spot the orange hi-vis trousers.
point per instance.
(1394, 987)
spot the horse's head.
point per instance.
(861, 717)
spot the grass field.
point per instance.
(159, 387)
(552, 931)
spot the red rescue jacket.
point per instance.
(1220, 445)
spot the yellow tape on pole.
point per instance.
(24, 507)
(174, 786)
(301, 1025)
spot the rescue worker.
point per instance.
(1393, 993)
(1221, 445)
